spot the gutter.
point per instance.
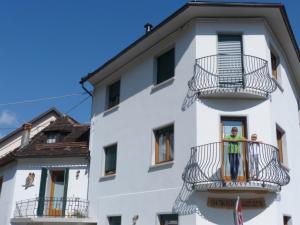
(82, 81)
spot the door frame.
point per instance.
(244, 120)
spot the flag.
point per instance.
(237, 212)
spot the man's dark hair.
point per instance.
(234, 129)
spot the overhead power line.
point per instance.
(42, 99)
(76, 105)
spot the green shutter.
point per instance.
(41, 201)
(165, 66)
(66, 181)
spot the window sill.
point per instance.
(160, 166)
(107, 177)
(111, 110)
(161, 85)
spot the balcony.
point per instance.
(55, 210)
(232, 75)
(259, 170)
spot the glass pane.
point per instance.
(162, 153)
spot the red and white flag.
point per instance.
(238, 216)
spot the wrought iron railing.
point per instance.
(259, 166)
(52, 207)
(231, 73)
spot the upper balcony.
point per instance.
(232, 75)
(52, 210)
(211, 168)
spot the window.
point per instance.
(230, 60)
(279, 136)
(287, 220)
(165, 66)
(164, 144)
(169, 219)
(113, 92)
(114, 220)
(1, 183)
(52, 137)
(110, 164)
(274, 64)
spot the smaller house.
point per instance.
(48, 178)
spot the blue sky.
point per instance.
(47, 46)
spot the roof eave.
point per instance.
(197, 4)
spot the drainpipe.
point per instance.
(26, 134)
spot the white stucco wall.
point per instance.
(138, 189)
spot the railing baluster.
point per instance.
(263, 167)
(53, 207)
(224, 73)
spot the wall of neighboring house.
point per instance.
(8, 173)
(140, 187)
(77, 186)
(15, 141)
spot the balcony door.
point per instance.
(57, 186)
(53, 192)
(227, 123)
(230, 60)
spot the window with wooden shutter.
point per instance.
(164, 144)
(274, 64)
(165, 66)
(1, 184)
(279, 136)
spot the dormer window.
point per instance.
(52, 138)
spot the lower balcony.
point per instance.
(232, 76)
(52, 210)
(252, 167)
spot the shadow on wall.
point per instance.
(229, 105)
(192, 202)
(190, 98)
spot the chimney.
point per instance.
(148, 27)
(26, 134)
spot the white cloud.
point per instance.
(7, 118)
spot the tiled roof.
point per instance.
(73, 141)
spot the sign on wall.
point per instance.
(227, 203)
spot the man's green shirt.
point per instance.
(234, 147)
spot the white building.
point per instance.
(187, 82)
(44, 180)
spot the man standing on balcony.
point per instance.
(234, 151)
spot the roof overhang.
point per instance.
(274, 14)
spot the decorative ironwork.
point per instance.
(261, 165)
(52, 207)
(224, 73)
